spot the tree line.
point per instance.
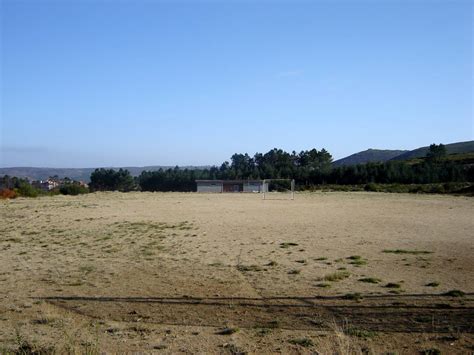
(308, 168)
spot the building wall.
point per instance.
(209, 187)
(252, 187)
(233, 187)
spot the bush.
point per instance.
(73, 189)
(370, 187)
(26, 190)
(437, 189)
(7, 193)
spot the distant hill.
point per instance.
(369, 156)
(82, 174)
(453, 148)
(378, 155)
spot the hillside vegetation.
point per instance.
(369, 156)
(454, 148)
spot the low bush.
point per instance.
(7, 193)
(73, 189)
(26, 190)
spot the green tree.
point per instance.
(436, 152)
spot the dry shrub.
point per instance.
(7, 193)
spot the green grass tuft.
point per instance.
(337, 276)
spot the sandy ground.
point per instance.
(167, 272)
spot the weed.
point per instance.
(403, 251)
(321, 258)
(216, 264)
(75, 283)
(304, 342)
(244, 268)
(370, 280)
(354, 257)
(273, 324)
(145, 252)
(87, 269)
(42, 320)
(323, 285)
(337, 276)
(264, 331)
(357, 260)
(432, 284)
(352, 296)
(423, 319)
(302, 261)
(287, 245)
(360, 333)
(227, 331)
(234, 349)
(267, 326)
(431, 351)
(454, 293)
(393, 285)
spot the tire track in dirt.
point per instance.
(407, 313)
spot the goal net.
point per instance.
(278, 189)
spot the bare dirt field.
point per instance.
(231, 273)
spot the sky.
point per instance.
(91, 83)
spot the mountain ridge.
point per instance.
(381, 155)
(368, 156)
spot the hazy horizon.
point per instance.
(93, 84)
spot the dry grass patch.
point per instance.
(336, 276)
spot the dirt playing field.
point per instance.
(232, 273)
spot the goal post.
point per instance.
(281, 189)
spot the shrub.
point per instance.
(73, 189)
(370, 187)
(27, 190)
(7, 193)
(437, 189)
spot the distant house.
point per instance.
(229, 185)
(46, 185)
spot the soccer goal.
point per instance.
(278, 189)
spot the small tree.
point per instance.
(436, 152)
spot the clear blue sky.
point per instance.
(116, 83)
